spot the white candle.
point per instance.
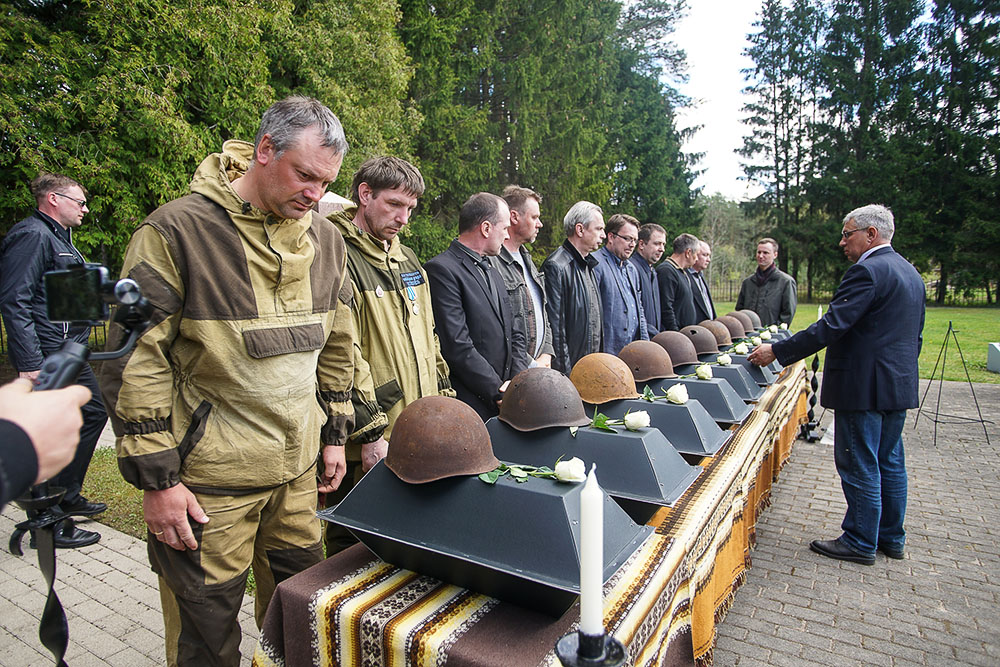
(592, 556)
(819, 313)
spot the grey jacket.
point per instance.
(520, 298)
(774, 301)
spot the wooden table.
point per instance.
(663, 603)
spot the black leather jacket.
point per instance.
(33, 246)
(574, 306)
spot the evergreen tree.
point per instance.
(956, 143)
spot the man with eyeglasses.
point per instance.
(872, 333)
(39, 243)
(769, 292)
(622, 317)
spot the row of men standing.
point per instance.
(496, 314)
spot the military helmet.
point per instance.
(678, 346)
(744, 320)
(436, 437)
(736, 330)
(754, 317)
(719, 330)
(539, 398)
(602, 377)
(703, 339)
(647, 360)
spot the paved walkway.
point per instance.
(939, 606)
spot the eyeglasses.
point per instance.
(79, 202)
(846, 234)
(631, 240)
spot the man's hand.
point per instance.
(373, 452)
(334, 469)
(166, 514)
(29, 375)
(51, 419)
(762, 356)
(544, 360)
(503, 388)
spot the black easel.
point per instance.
(937, 416)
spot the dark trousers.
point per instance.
(94, 419)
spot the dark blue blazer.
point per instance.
(478, 338)
(872, 332)
(650, 290)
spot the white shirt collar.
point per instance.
(871, 250)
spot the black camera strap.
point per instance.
(53, 630)
(43, 521)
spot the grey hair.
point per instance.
(580, 213)
(686, 242)
(873, 215)
(285, 121)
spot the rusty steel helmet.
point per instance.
(703, 339)
(647, 360)
(539, 398)
(754, 317)
(736, 330)
(602, 377)
(744, 320)
(436, 437)
(719, 330)
(678, 346)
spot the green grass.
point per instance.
(104, 483)
(975, 328)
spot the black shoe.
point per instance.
(840, 551)
(68, 536)
(895, 554)
(82, 507)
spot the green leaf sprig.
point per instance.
(520, 473)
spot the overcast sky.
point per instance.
(714, 36)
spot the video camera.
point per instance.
(82, 295)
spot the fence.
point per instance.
(98, 336)
(729, 290)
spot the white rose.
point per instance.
(636, 420)
(678, 394)
(783, 326)
(724, 359)
(704, 372)
(755, 340)
(741, 348)
(765, 335)
(573, 470)
(773, 328)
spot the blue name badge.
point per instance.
(412, 278)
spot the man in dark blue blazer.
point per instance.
(649, 250)
(472, 312)
(872, 332)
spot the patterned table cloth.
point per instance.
(663, 604)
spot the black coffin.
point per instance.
(715, 395)
(689, 427)
(762, 375)
(737, 377)
(517, 542)
(640, 469)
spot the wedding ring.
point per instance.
(156, 533)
